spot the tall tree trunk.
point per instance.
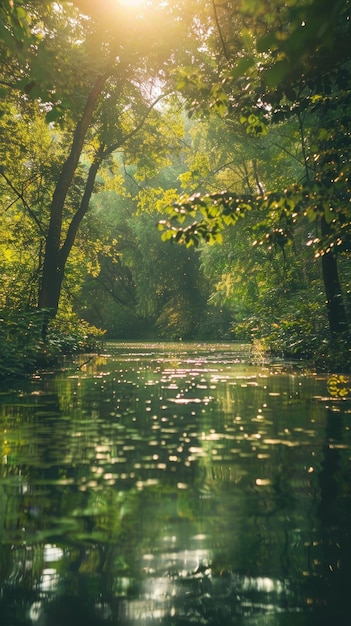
(63, 252)
(56, 255)
(53, 268)
(335, 306)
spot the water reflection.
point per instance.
(174, 484)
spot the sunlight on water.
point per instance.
(175, 484)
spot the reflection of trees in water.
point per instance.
(279, 527)
(96, 493)
(328, 476)
(98, 523)
(332, 564)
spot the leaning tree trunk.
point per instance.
(63, 252)
(54, 261)
(56, 255)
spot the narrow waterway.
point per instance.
(175, 484)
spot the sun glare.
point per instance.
(133, 3)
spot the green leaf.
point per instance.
(242, 66)
(54, 115)
(167, 235)
(267, 43)
(279, 72)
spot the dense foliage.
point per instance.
(222, 123)
(285, 68)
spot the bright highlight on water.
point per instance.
(175, 484)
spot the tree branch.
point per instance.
(135, 130)
(21, 197)
(220, 30)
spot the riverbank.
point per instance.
(23, 349)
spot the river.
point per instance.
(175, 484)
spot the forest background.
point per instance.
(175, 170)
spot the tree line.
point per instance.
(128, 129)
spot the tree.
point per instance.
(139, 287)
(290, 62)
(114, 66)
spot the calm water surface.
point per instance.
(175, 484)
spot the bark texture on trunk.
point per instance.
(335, 306)
(54, 259)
